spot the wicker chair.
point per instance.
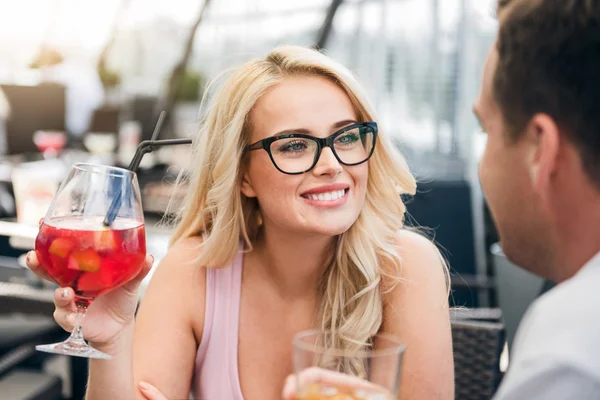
(26, 320)
(478, 339)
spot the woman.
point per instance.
(293, 221)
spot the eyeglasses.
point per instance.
(297, 153)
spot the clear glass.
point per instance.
(50, 143)
(325, 371)
(76, 249)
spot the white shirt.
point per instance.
(557, 347)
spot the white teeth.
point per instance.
(328, 196)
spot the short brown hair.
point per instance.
(549, 62)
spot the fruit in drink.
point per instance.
(79, 252)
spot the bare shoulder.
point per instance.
(180, 266)
(415, 308)
(419, 258)
(171, 316)
(180, 276)
(185, 251)
(421, 272)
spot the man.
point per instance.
(540, 105)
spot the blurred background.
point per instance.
(85, 80)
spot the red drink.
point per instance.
(80, 253)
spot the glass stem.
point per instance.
(76, 337)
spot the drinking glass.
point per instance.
(76, 248)
(326, 370)
(50, 143)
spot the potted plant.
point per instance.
(187, 103)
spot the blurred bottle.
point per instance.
(130, 133)
(4, 114)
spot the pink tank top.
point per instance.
(216, 369)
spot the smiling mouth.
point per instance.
(326, 196)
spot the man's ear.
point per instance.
(542, 138)
(246, 187)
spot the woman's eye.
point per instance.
(294, 146)
(349, 138)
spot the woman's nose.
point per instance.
(327, 164)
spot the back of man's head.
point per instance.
(549, 62)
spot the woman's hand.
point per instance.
(150, 392)
(107, 316)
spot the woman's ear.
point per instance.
(247, 189)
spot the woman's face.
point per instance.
(326, 200)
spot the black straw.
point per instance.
(161, 119)
(147, 146)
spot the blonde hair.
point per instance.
(215, 209)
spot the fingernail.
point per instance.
(65, 293)
(144, 386)
(71, 318)
(152, 259)
(28, 256)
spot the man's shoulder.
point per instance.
(564, 324)
(549, 381)
(575, 300)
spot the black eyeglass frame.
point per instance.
(265, 144)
